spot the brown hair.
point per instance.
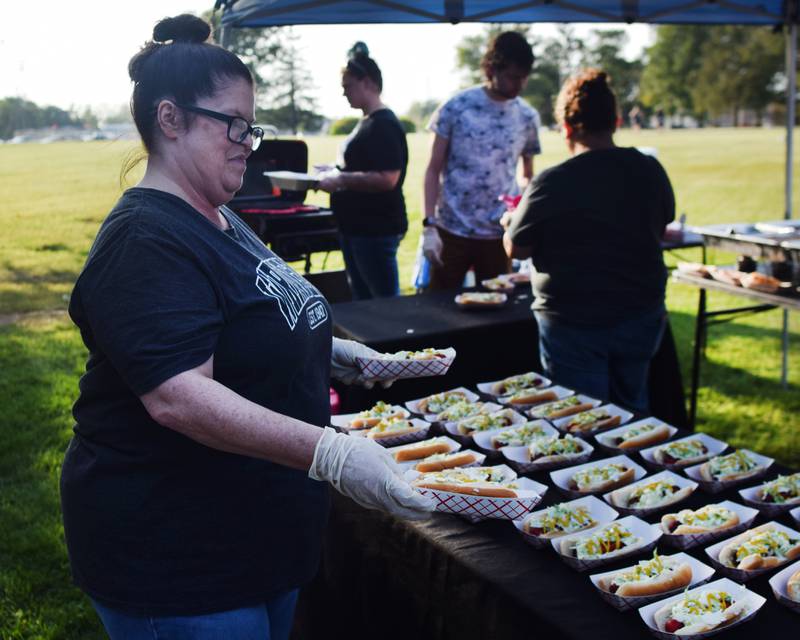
(505, 49)
(587, 104)
(360, 65)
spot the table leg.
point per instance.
(785, 349)
(699, 341)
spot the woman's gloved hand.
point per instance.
(364, 471)
(432, 245)
(344, 366)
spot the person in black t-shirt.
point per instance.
(191, 489)
(593, 226)
(367, 193)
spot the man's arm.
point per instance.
(527, 169)
(365, 181)
(436, 165)
(514, 250)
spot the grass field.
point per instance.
(55, 196)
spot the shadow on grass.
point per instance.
(744, 408)
(39, 369)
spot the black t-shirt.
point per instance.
(155, 522)
(378, 143)
(594, 224)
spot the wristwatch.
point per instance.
(429, 222)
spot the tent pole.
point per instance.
(791, 93)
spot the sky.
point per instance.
(75, 54)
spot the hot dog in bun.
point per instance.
(761, 548)
(492, 482)
(712, 517)
(557, 521)
(601, 477)
(699, 613)
(660, 574)
(734, 466)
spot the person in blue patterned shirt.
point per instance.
(480, 135)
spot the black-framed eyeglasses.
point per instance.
(238, 128)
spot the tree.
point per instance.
(738, 71)
(605, 52)
(17, 114)
(420, 111)
(672, 65)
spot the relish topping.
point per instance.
(387, 425)
(462, 409)
(588, 477)
(379, 410)
(709, 517)
(652, 493)
(587, 417)
(470, 475)
(522, 381)
(645, 570)
(426, 354)
(520, 436)
(551, 407)
(608, 539)
(484, 422)
(636, 431)
(782, 489)
(766, 544)
(440, 401)
(553, 445)
(561, 518)
(683, 449)
(707, 607)
(736, 462)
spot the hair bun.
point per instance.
(182, 28)
(358, 49)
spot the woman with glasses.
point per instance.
(367, 192)
(194, 490)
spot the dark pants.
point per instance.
(486, 257)
(371, 264)
(269, 621)
(608, 363)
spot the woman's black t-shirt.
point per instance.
(378, 143)
(155, 522)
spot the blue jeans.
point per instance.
(371, 264)
(608, 363)
(269, 621)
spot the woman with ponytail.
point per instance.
(195, 488)
(593, 227)
(367, 192)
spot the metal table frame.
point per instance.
(706, 319)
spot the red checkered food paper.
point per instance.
(407, 364)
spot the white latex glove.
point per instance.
(344, 366)
(432, 245)
(364, 471)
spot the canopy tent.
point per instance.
(264, 13)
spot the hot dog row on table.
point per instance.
(614, 507)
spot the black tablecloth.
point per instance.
(449, 579)
(490, 343)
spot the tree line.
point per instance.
(700, 71)
(17, 114)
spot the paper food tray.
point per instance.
(778, 585)
(756, 601)
(484, 438)
(516, 420)
(292, 180)
(395, 368)
(769, 509)
(701, 573)
(714, 446)
(502, 299)
(738, 574)
(561, 477)
(612, 409)
(393, 441)
(486, 387)
(561, 392)
(605, 438)
(519, 459)
(714, 486)
(599, 511)
(540, 410)
(343, 421)
(490, 407)
(663, 475)
(690, 540)
(475, 508)
(454, 446)
(413, 405)
(649, 533)
(795, 513)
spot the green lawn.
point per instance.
(55, 196)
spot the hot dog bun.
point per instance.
(624, 478)
(671, 524)
(661, 432)
(673, 576)
(597, 425)
(534, 397)
(621, 498)
(730, 614)
(793, 586)
(728, 555)
(568, 411)
(459, 459)
(474, 489)
(421, 450)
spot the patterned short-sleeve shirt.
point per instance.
(487, 137)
